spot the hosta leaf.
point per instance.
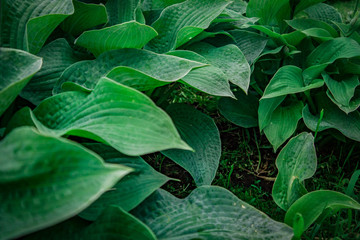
(328, 52)
(229, 59)
(121, 11)
(304, 4)
(158, 66)
(303, 24)
(26, 24)
(132, 189)
(283, 123)
(126, 35)
(61, 179)
(347, 124)
(16, 67)
(86, 16)
(200, 132)
(352, 106)
(113, 114)
(270, 12)
(114, 222)
(57, 56)
(266, 108)
(296, 162)
(251, 44)
(343, 91)
(180, 22)
(208, 79)
(313, 204)
(242, 111)
(198, 215)
(324, 12)
(289, 80)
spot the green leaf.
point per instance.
(26, 24)
(251, 44)
(132, 189)
(289, 80)
(197, 217)
(313, 204)
(266, 108)
(200, 132)
(61, 179)
(303, 24)
(304, 4)
(16, 67)
(229, 59)
(324, 12)
(180, 22)
(283, 123)
(208, 79)
(328, 52)
(295, 163)
(343, 91)
(157, 66)
(112, 114)
(347, 124)
(241, 111)
(121, 11)
(86, 16)
(270, 12)
(126, 35)
(57, 56)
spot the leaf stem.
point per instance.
(310, 101)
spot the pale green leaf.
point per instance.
(132, 189)
(16, 67)
(313, 204)
(347, 124)
(283, 123)
(242, 111)
(295, 163)
(209, 212)
(229, 59)
(113, 114)
(26, 24)
(120, 11)
(61, 179)
(289, 80)
(86, 16)
(200, 132)
(158, 66)
(57, 56)
(126, 35)
(193, 15)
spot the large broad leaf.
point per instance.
(304, 4)
(209, 212)
(181, 22)
(283, 123)
(16, 67)
(229, 59)
(209, 79)
(303, 24)
(266, 108)
(251, 44)
(113, 114)
(86, 16)
(132, 189)
(61, 179)
(270, 12)
(126, 35)
(313, 204)
(324, 12)
(158, 66)
(328, 52)
(343, 91)
(347, 124)
(26, 24)
(242, 111)
(296, 162)
(200, 132)
(289, 80)
(57, 56)
(113, 223)
(121, 11)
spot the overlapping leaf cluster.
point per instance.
(96, 79)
